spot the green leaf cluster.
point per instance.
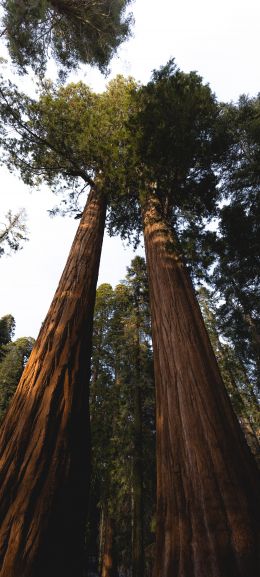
(176, 119)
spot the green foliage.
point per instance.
(235, 376)
(13, 232)
(72, 135)
(239, 126)
(236, 278)
(7, 328)
(176, 119)
(161, 135)
(173, 124)
(234, 246)
(122, 341)
(71, 31)
(13, 358)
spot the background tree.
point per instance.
(236, 246)
(236, 379)
(13, 232)
(14, 356)
(7, 329)
(71, 31)
(123, 443)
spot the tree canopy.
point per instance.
(76, 133)
(71, 31)
(83, 137)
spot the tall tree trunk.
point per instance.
(138, 508)
(108, 564)
(45, 440)
(207, 494)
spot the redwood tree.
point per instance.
(63, 140)
(208, 506)
(45, 434)
(207, 483)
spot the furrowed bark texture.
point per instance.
(44, 441)
(207, 493)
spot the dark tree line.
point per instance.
(123, 443)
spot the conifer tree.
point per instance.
(51, 540)
(7, 329)
(14, 357)
(48, 421)
(197, 431)
(236, 276)
(123, 444)
(71, 31)
(236, 379)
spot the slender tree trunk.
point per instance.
(207, 494)
(101, 539)
(45, 440)
(138, 508)
(108, 565)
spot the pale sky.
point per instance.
(220, 40)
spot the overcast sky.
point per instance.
(220, 40)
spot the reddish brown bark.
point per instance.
(208, 498)
(44, 442)
(108, 563)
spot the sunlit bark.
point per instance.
(108, 563)
(44, 442)
(207, 493)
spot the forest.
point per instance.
(129, 429)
